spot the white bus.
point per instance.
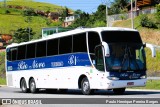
(86, 59)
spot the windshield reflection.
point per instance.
(125, 57)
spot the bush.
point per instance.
(7, 12)
(29, 12)
(123, 17)
(158, 11)
(146, 22)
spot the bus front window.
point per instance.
(125, 57)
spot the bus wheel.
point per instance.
(119, 91)
(23, 86)
(32, 86)
(85, 87)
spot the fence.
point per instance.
(125, 16)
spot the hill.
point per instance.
(35, 5)
(150, 36)
(11, 17)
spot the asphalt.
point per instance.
(130, 89)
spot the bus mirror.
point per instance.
(152, 49)
(106, 49)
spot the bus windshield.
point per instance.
(126, 51)
(125, 57)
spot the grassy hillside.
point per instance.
(34, 5)
(150, 36)
(9, 22)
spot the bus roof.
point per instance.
(72, 32)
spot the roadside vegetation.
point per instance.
(2, 69)
(151, 84)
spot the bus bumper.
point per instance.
(110, 84)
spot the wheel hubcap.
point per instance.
(32, 86)
(23, 86)
(85, 86)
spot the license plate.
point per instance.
(130, 83)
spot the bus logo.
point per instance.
(72, 60)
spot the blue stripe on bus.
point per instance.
(78, 59)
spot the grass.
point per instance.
(10, 22)
(151, 84)
(35, 5)
(2, 81)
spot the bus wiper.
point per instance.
(126, 56)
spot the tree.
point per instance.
(118, 6)
(21, 35)
(84, 17)
(29, 12)
(97, 19)
(64, 13)
(78, 12)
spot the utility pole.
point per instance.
(106, 14)
(132, 20)
(4, 4)
(136, 7)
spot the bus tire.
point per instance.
(32, 86)
(119, 91)
(23, 86)
(85, 87)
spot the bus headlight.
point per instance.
(143, 77)
(113, 78)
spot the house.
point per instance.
(69, 20)
(54, 16)
(143, 5)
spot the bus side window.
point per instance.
(14, 53)
(93, 41)
(21, 52)
(99, 61)
(79, 43)
(52, 47)
(41, 49)
(8, 54)
(31, 50)
(65, 45)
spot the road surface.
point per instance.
(6, 92)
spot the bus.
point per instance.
(89, 59)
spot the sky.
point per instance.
(88, 6)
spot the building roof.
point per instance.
(144, 3)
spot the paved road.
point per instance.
(6, 92)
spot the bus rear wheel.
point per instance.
(119, 91)
(23, 86)
(32, 86)
(85, 87)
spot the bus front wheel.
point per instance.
(32, 86)
(85, 87)
(23, 86)
(119, 91)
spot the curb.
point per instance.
(3, 85)
(142, 90)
